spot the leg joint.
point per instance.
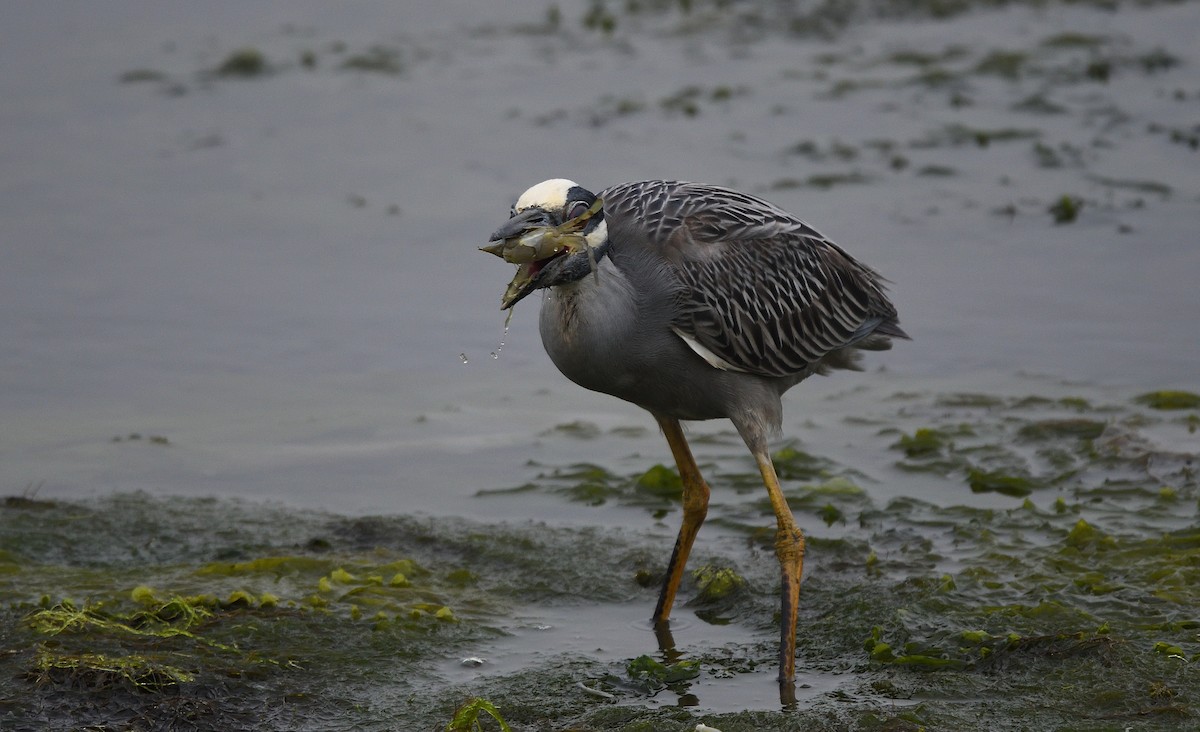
(789, 544)
(695, 500)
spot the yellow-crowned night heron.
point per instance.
(695, 302)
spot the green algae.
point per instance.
(922, 442)
(1038, 104)
(1075, 40)
(1066, 209)
(1082, 557)
(989, 481)
(793, 463)
(1084, 429)
(1140, 186)
(1006, 64)
(655, 674)
(1168, 399)
(274, 566)
(243, 63)
(661, 481)
(957, 135)
(138, 76)
(690, 101)
(467, 717)
(823, 181)
(376, 60)
(581, 482)
(97, 670)
(580, 429)
(716, 584)
(971, 400)
(163, 632)
(936, 171)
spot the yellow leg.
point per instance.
(695, 508)
(789, 548)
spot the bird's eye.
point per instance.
(577, 209)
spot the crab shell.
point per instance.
(536, 244)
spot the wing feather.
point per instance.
(759, 290)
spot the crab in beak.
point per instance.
(532, 242)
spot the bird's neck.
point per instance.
(584, 264)
(583, 319)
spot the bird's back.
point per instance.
(758, 288)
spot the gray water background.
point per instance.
(279, 274)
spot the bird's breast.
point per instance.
(592, 329)
(609, 336)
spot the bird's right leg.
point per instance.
(695, 508)
(789, 549)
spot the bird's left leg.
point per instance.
(695, 508)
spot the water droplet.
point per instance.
(503, 336)
(462, 357)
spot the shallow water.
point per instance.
(260, 287)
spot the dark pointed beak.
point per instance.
(518, 224)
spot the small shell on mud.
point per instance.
(598, 693)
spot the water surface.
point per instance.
(256, 282)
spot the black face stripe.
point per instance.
(579, 193)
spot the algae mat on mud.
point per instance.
(1073, 608)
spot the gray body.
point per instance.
(757, 288)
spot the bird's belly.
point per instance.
(639, 362)
(645, 388)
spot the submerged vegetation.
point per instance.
(466, 717)
(1065, 210)
(1087, 560)
(1029, 86)
(243, 63)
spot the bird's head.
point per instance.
(555, 233)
